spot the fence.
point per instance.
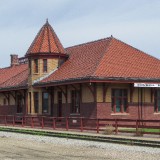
(83, 124)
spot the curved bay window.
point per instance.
(157, 101)
(119, 100)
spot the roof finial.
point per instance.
(47, 21)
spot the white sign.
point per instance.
(146, 85)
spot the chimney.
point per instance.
(14, 59)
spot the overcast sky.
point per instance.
(136, 22)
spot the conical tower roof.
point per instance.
(46, 42)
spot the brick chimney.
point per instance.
(14, 59)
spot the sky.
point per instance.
(135, 22)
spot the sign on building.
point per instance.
(146, 85)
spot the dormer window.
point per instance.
(44, 65)
(35, 65)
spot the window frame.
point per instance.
(123, 99)
(44, 107)
(156, 98)
(30, 65)
(75, 102)
(36, 102)
(4, 101)
(45, 65)
(19, 103)
(36, 66)
(30, 102)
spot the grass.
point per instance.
(147, 130)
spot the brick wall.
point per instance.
(86, 110)
(9, 110)
(104, 111)
(51, 65)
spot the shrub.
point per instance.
(109, 129)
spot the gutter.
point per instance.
(14, 88)
(96, 79)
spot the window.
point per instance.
(59, 104)
(19, 104)
(157, 101)
(45, 100)
(4, 101)
(30, 102)
(75, 101)
(36, 102)
(36, 66)
(119, 100)
(29, 63)
(44, 65)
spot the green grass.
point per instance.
(149, 130)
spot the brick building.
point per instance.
(94, 79)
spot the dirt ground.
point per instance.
(15, 149)
(21, 149)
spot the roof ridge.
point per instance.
(46, 41)
(41, 78)
(110, 39)
(33, 42)
(14, 76)
(55, 40)
(12, 66)
(136, 48)
(40, 46)
(49, 43)
(88, 42)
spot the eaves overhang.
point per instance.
(13, 88)
(46, 54)
(97, 80)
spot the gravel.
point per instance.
(86, 149)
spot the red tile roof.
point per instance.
(106, 58)
(82, 62)
(15, 76)
(46, 41)
(102, 59)
(122, 60)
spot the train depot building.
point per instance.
(106, 78)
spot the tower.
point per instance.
(45, 55)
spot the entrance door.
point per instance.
(59, 114)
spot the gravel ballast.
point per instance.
(23, 146)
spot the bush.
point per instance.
(109, 129)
